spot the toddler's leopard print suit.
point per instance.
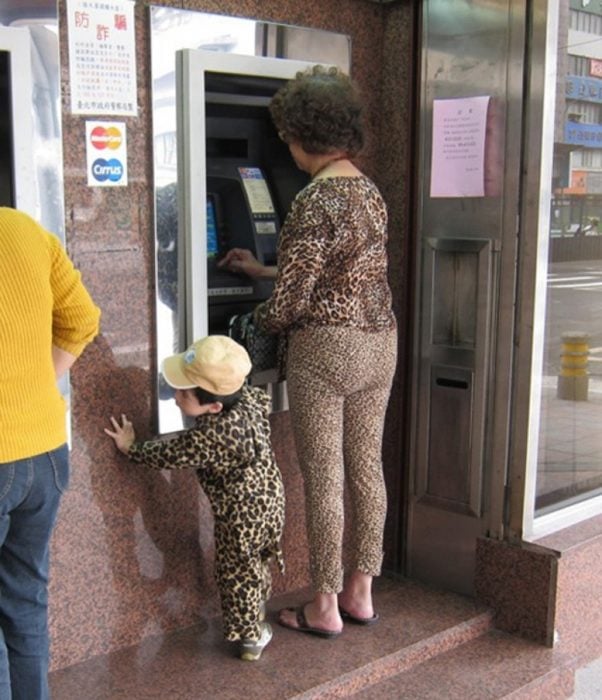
(232, 455)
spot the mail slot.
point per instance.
(448, 474)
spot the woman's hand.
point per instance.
(241, 260)
(62, 361)
(123, 435)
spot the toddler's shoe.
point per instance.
(251, 649)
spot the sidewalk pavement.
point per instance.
(588, 682)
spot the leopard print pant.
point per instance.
(243, 575)
(339, 381)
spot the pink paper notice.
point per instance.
(458, 156)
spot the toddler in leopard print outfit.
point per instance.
(229, 447)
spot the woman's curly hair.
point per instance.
(319, 109)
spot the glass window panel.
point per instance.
(569, 461)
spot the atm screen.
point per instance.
(212, 245)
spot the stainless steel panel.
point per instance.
(533, 272)
(449, 462)
(454, 299)
(447, 555)
(465, 299)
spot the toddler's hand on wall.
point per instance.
(123, 435)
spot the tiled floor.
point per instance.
(588, 682)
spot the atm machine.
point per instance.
(236, 182)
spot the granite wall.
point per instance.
(132, 555)
(547, 590)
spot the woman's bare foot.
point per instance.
(322, 613)
(356, 597)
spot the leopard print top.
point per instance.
(332, 260)
(235, 465)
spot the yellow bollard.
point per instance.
(573, 378)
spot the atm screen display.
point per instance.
(212, 245)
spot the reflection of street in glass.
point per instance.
(574, 304)
(570, 445)
(570, 442)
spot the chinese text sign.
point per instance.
(458, 156)
(102, 57)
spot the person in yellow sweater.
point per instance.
(47, 318)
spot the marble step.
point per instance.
(494, 666)
(418, 625)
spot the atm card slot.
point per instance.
(452, 383)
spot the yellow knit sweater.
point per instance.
(42, 303)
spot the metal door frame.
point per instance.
(17, 42)
(532, 288)
(191, 66)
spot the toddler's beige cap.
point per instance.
(216, 363)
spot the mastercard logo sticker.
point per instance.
(106, 137)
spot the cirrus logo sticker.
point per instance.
(103, 170)
(103, 137)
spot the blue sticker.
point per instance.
(103, 170)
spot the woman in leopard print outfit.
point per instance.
(333, 302)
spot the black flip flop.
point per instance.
(358, 620)
(304, 627)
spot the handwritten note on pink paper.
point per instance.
(458, 155)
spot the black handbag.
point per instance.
(261, 345)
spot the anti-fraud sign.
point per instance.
(106, 153)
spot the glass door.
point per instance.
(564, 450)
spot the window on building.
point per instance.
(585, 22)
(577, 65)
(583, 112)
(586, 158)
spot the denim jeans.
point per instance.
(30, 492)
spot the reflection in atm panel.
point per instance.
(212, 238)
(7, 196)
